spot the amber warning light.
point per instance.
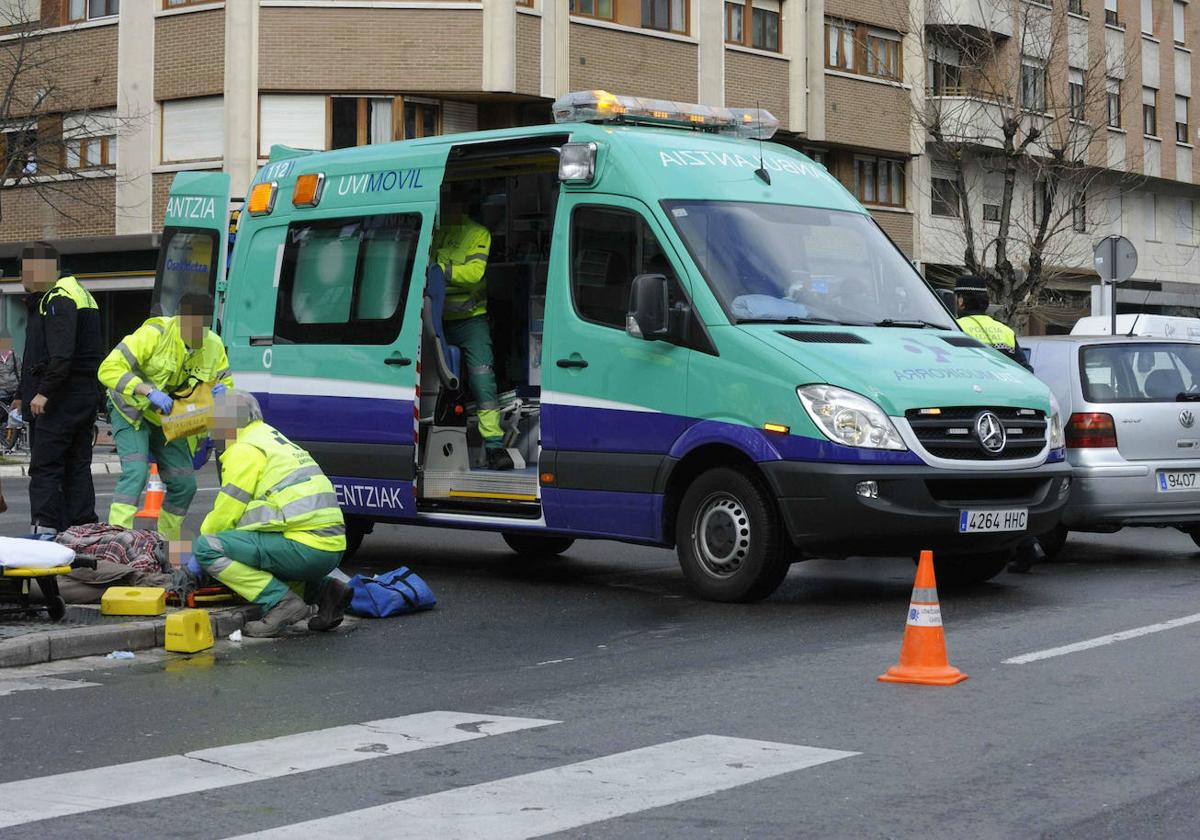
(308, 189)
(262, 198)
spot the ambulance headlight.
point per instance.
(1057, 440)
(577, 163)
(849, 418)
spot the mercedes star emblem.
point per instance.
(991, 433)
(1186, 418)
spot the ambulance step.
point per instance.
(482, 485)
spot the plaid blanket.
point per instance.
(144, 551)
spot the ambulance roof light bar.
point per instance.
(602, 106)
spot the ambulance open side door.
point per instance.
(192, 255)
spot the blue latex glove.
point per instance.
(192, 565)
(202, 452)
(161, 401)
(219, 389)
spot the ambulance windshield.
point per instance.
(775, 262)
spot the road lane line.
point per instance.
(1100, 641)
(81, 791)
(574, 795)
(8, 687)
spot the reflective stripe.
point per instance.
(297, 476)
(161, 329)
(258, 516)
(235, 492)
(479, 369)
(122, 499)
(219, 565)
(129, 356)
(125, 381)
(122, 406)
(135, 458)
(922, 595)
(333, 531)
(310, 504)
(174, 510)
(463, 305)
(222, 374)
(476, 257)
(488, 405)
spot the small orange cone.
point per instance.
(923, 651)
(155, 492)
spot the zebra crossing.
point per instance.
(532, 804)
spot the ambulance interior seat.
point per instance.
(448, 357)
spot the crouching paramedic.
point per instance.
(163, 356)
(276, 526)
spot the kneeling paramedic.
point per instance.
(162, 357)
(276, 527)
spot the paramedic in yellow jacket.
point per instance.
(275, 527)
(461, 247)
(162, 357)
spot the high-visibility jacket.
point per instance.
(271, 484)
(156, 353)
(988, 330)
(62, 340)
(462, 252)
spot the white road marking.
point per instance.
(535, 804)
(8, 686)
(82, 791)
(1100, 641)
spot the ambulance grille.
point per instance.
(961, 341)
(951, 432)
(826, 337)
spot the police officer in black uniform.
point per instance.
(63, 351)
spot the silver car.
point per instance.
(1130, 407)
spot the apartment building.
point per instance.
(1115, 76)
(205, 84)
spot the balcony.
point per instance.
(991, 16)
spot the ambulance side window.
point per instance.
(187, 262)
(345, 281)
(609, 247)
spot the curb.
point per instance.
(93, 640)
(22, 470)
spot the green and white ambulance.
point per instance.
(702, 341)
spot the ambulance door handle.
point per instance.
(398, 361)
(572, 363)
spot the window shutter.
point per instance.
(291, 121)
(193, 129)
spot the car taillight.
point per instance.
(1091, 431)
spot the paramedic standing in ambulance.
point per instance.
(275, 522)
(162, 356)
(63, 348)
(461, 247)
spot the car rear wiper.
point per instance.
(1188, 396)
(915, 324)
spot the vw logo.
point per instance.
(1186, 418)
(991, 433)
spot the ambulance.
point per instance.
(702, 342)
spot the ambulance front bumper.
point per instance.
(885, 510)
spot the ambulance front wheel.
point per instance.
(729, 537)
(537, 545)
(356, 530)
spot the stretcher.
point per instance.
(203, 596)
(16, 592)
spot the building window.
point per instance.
(1033, 84)
(1075, 94)
(592, 8)
(944, 71)
(1079, 213)
(1181, 120)
(175, 4)
(89, 140)
(879, 181)
(20, 145)
(193, 129)
(1148, 17)
(817, 156)
(1185, 224)
(665, 15)
(91, 9)
(1114, 103)
(762, 30)
(1075, 7)
(1149, 112)
(1150, 216)
(858, 48)
(1041, 201)
(421, 119)
(1110, 13)
(944, 197)
(991, 212)
(359, 121)
(1180, 28)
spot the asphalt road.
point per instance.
(1099, 742)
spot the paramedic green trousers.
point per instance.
(261, 566)
(174, 459)
(474, 338)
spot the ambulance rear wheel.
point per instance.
(537, 545)
(729, 537)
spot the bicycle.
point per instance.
(14, 433)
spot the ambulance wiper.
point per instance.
(914, 324)
(795, 319)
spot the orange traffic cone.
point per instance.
(155, 492)
(923, 651)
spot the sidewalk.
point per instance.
(104, 462)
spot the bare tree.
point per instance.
(56, 135)
(1015, 113)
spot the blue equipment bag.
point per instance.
(392, 593)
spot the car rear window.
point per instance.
(1140, 372)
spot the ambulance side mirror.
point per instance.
(649, 316)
